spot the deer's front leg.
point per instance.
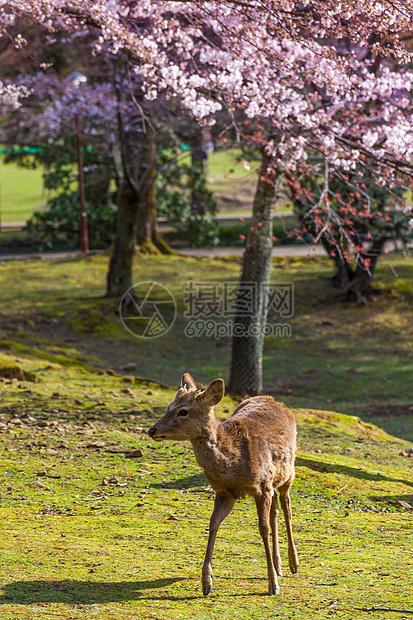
(263, 503)
(224, 503)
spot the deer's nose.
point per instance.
(152, 431)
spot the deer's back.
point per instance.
(261, 437)
(263, 416)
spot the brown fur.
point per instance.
(251, 453)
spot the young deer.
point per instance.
(251, 453)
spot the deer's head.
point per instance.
(187, 414)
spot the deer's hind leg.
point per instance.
(274, 530)
(264, 503)
(286, 506)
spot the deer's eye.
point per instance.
(183, 413)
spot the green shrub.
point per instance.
(59, 223)
(174, 186)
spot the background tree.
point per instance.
(345, 213)
(119, 148)
(47, 120)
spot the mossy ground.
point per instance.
(98, 521)
(357, 360)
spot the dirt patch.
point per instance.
(15, 372)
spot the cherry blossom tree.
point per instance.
(286, 61)
(51, 119)
(324, 75)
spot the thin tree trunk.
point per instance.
(119, 278)
(198, 201)
(148, 238)
(136, 204)
(355, 284)
(344, 273)
(251, 313)
(360, 286)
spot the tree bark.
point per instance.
(148, 238)
(360, 287)
(119, 278)
(344, 273)
(252, 298)
(355, 284)
(137, 220)
(198, 200)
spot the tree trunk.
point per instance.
(198, 201)
(344, 273)
(119, 278)
(252, 298)
(136, 204)
(148, 238)
(360, 286)
(355, 284)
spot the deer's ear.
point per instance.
(214, 392)
(187, 382)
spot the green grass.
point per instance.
(87, 531)
(232, 184)
(21, 192)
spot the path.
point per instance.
(295, 251)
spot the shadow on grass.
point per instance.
(81, 592)
(347, 471)
(197, 481)
(70, 592)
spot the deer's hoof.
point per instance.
(293, 559)
(273, 590)
(294, 565)
(206, 581)
(207, 588)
